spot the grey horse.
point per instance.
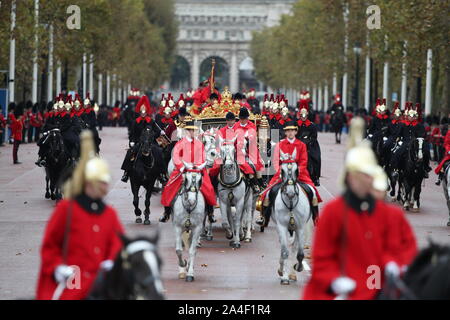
(188, 217)
(292, 213)
(232, 192)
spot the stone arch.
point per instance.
(180, 77)
(222, 71)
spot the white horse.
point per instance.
(446, 188)
(292, 213)
(188, 217)
(231, 193)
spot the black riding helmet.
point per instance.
(244, 114)
(230, 116)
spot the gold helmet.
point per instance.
(167, 110)
(360, 156)
(285, 111)
(90, 168)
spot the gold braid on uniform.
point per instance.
(74, 186)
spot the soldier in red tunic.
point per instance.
(16, 124)
(358, 239)
(248, 156)
(82, 235)
(192, 151)
(288, 146)
(441, 168)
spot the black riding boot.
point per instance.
(264, 218)
(166, 215)
(254, 185)
(124, 177)
(261, 183)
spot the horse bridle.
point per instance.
(290, 182)
(238, 181)
(184, 192)
(134, 248)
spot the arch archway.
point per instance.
(180, 77)
(221, 71)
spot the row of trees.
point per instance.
(132, 39)
(308, 48)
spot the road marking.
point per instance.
(21, 176)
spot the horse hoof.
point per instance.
(147, 222)
(229, 235)
(53, 197)
(293, 277)
(209, 238)
(47, 195)
(237, 246)
(189, 278)
(415, 210)
(138, 220)
(280, 273)
(182, 276)
(284, 282)
(448, 224)
(298, 267)
(261, 229)
(248, 240)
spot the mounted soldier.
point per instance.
(142, 122)
(307, 133)
(292, 146)
(90, 118)
(378, 128)
(69, 130)
(188, 154)
(392, 135)
(412, 129)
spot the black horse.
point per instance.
(58, 161)
(136, 274)
(146, 168)
(338, 120)
(427, 278)
(413, 174)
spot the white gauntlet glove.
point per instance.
(392, 270)
(63, 272)
(107, 265)
(131, 144)
(163, 132)
(343, 285)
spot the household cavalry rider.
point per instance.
(90, 119)
(356, 231)
(82, 236)
(142, 122)
(248, 156)
(288, 146)
(189, 150)
(394, 129)
(49, 124)
(69, 129)
(379, 125)
(307, 133)
(412, 129)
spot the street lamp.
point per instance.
(357, 50)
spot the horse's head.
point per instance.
(228, 152)
(209, 140)
(192, 182)
(417, 149)
(141, 265)
(289, 173)
(56, 143)
(146, 141)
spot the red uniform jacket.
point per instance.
(373, 239)
(436, 136)
(302, 163)
(447, 150)
(190, 152)
(253, 155)
(37, 120)
(169, 128)
(2, 121)
(16, 127)
(93, 238)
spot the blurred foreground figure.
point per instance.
(359, 240)
(82, 235)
